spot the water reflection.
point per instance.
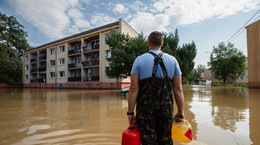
(218, 115)
(254, 107)
(229, 106)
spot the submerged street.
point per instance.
(218, 115)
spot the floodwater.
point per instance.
(218, 115)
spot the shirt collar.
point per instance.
(156, 51)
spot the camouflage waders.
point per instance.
(155, 107)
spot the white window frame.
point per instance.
(52, 62)
(62, 48)
(26, 67)
(61, 60)
(60, 74)
(53, 51)
(108, 54)
(26, 58)
(52, 75)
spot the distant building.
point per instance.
(77, 61)
(206, 75)
(253, 52)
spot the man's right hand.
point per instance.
(131, 119)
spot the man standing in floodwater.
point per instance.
(154, 76)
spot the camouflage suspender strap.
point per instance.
(158, 59)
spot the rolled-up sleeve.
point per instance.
(135, 69)
(177, 70)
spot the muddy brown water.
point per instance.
(218, 115)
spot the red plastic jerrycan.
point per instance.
(131, 136)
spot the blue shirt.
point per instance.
(143, 65)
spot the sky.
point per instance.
(206, 22)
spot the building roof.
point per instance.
(253, 23)
(76, 35)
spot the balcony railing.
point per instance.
(41, 80)
(95, 46)
(90, 63)
(42, 57)
(74, 79)
(33, 81)
(74, 51)
(33, 70)
(74, 65)
(42, 69)
(33, 59)
(91, 78)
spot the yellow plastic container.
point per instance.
(181, 131)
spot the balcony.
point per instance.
(33, 70)
(94, 47)
(42, 57)
(33, 60)
(90, 63)
(41, 80)
(91, 78)
(33, 81)
(74, 79)
(74, 65)
(40, 69)
(74, 51)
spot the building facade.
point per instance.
(77, 61)
(253, 52)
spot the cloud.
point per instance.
(120, 9)
(148, 22)
(100, 19)
(54, 19)
(138, 6)
(193, 11)
(164, 15)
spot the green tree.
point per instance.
(124, 50)
(227, 62)
(185, 55)
(12, 44)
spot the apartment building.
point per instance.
(253, 52)
(77, 61)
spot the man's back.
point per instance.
(143, 66)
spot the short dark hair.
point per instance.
(156, 38)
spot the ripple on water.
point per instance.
(67, 136)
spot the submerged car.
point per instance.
(125, 91)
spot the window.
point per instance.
(62, 74)
(108, 54)
(26, 58)
(52, 51)
(78, 60)
(26, 67)
(52, 62)
(62, 48)
(52, 74)
(78, 74)
(108, 35)
(62, 61)
(240, 78)
(26, 77)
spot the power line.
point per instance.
(242, 26)
(257, 18)
(237, 35)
